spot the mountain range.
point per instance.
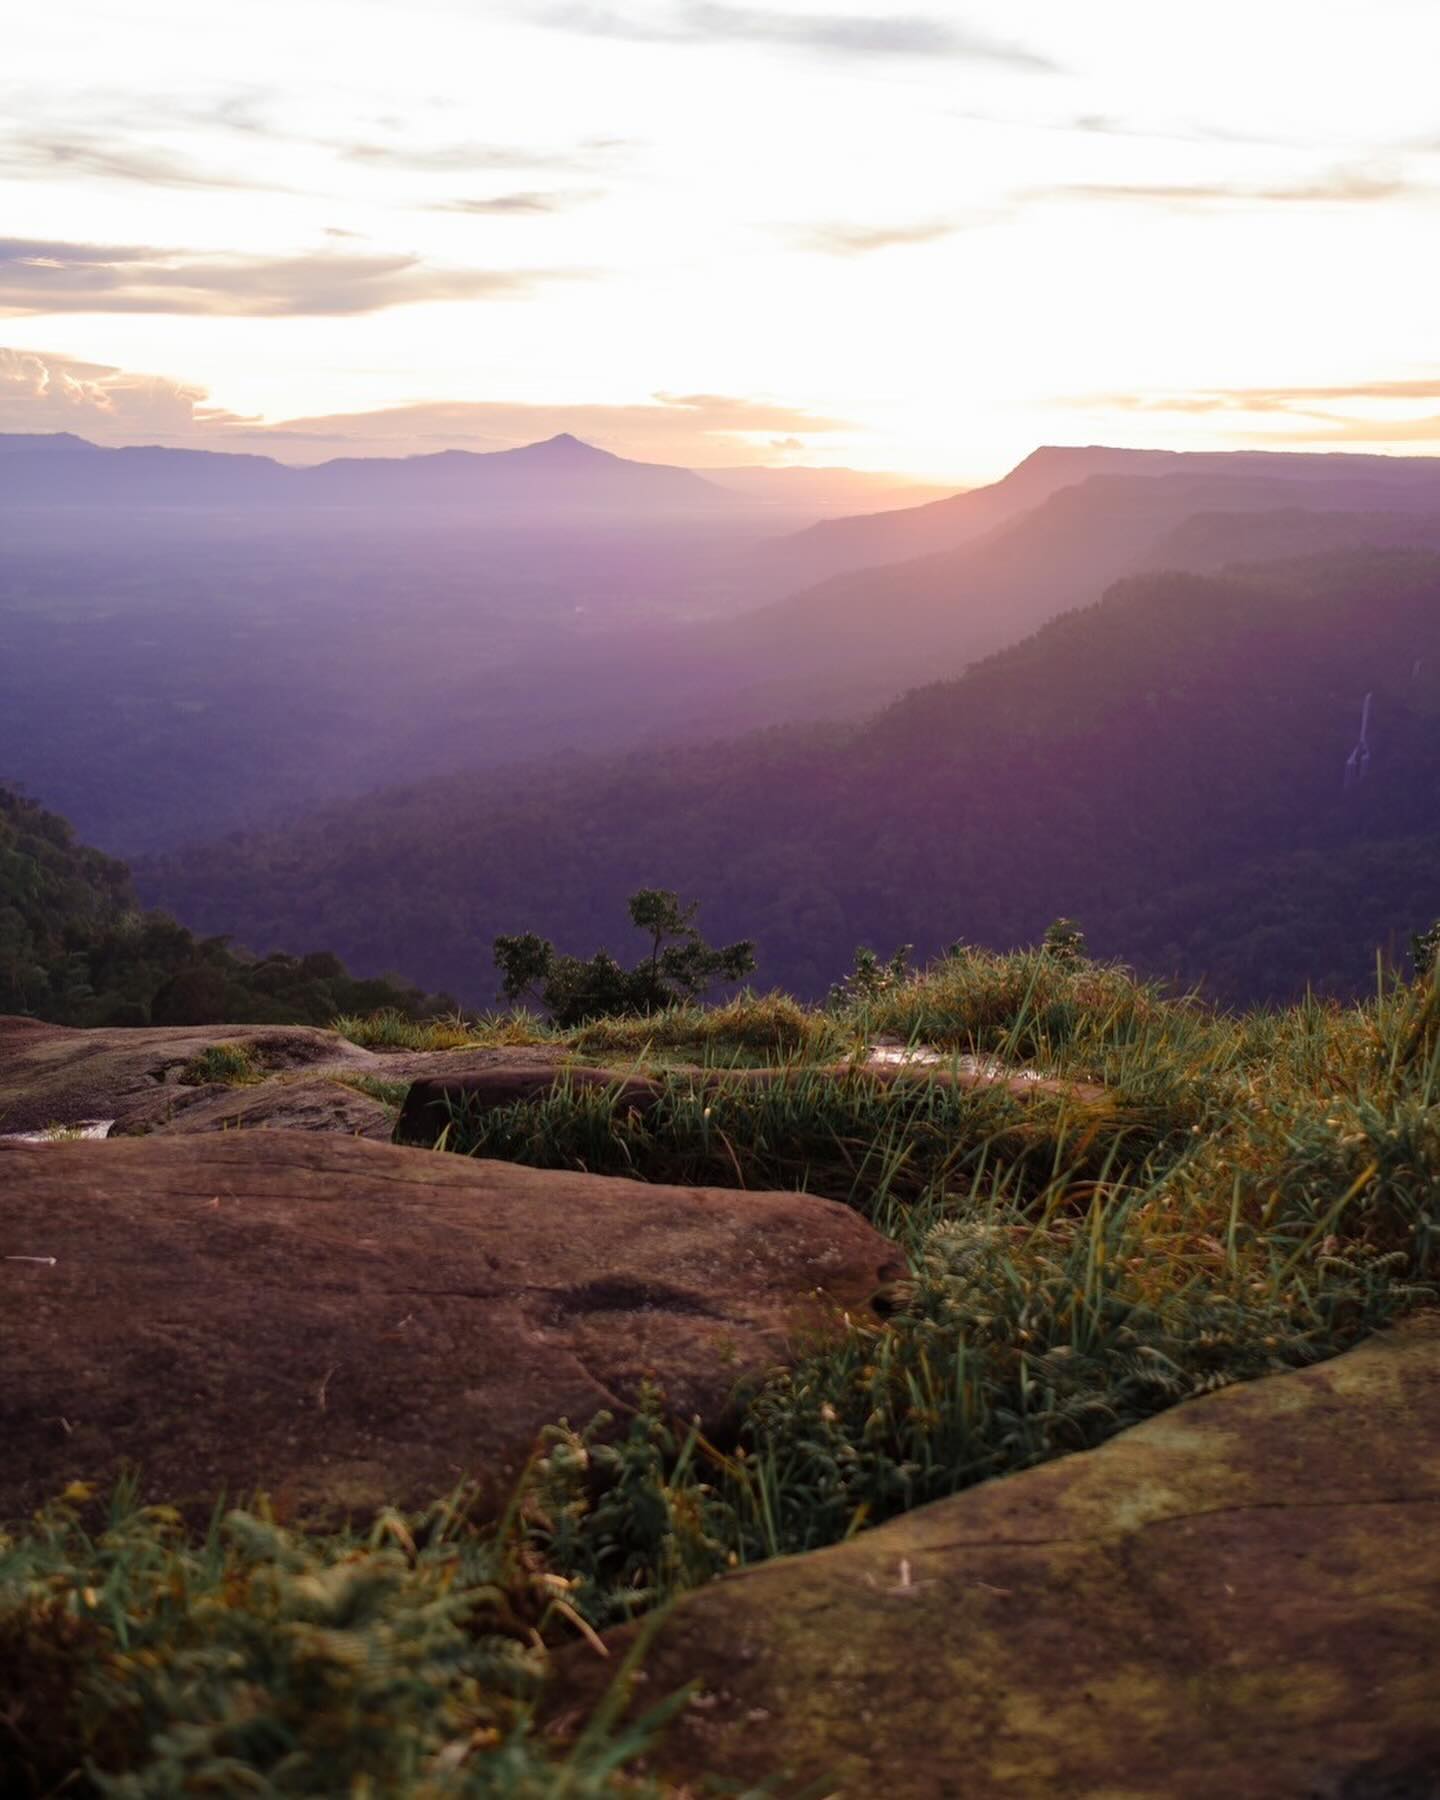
(1168, 765)
(171, 676)
(560, 474)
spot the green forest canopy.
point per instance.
(75, 947)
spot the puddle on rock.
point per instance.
(60, 1134)
(889, 1056)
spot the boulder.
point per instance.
(434, 1098)
(344, 1323)
(53, 1075)
(1240, 1597)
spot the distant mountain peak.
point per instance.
(566, 447)
(44, 440)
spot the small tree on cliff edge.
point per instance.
(680, 966)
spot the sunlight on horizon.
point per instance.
(715, 234)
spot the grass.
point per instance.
(233, 1065)
(1250, 1194)
(390, 1029)
(137, 1661)
(388, 1093)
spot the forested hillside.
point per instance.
(168, 675)
(75, 947)
(1168, 765)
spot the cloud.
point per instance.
(682, 428)
(1267, 399)
(1301, 415)
(109, 135)
(861, 240)
(841, 34)
(41, 392)
(469, 156)
(518, 205)
(1339, 186)
(37, 276)
(52, 153)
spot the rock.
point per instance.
(53, 1075)
(289, 1103)
(345, 1323)
(1240, 1597)
(158, 1107)
(433, 1099)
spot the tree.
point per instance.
(1424, 948)
(1065, 941)
(681, 966)
(869, 977)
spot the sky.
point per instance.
(811, 231)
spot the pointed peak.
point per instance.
(566, 445)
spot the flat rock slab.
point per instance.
(287, 1103)
(1240, 1597)
(434, 1099)
(53, 1075)
(345, 1324)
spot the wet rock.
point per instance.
(1240, 1597)
(345, 1323)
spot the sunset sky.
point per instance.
(712, 233)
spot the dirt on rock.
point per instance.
(344, 1324)
(1240, 1597)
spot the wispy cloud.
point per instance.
(1266, 399)
(519, 205)
(39, 277)
(1300, 415)
(840, 34)
(469, 156)
(114, 135)
(48, 153)
(861, 240)
(1337, 186)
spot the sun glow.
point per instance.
(923, 243)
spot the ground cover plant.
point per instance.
(1244, 1194)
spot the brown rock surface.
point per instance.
(56, 1075)
(432, 1099)
(288, 1103)
(347, 1323)
(53, 1075)
(1240, 1597)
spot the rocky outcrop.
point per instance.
(435, 1099)
(53, 1075)
(344, 1323)
(1240, 1597)
(287, 1103)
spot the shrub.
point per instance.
(681, 966)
